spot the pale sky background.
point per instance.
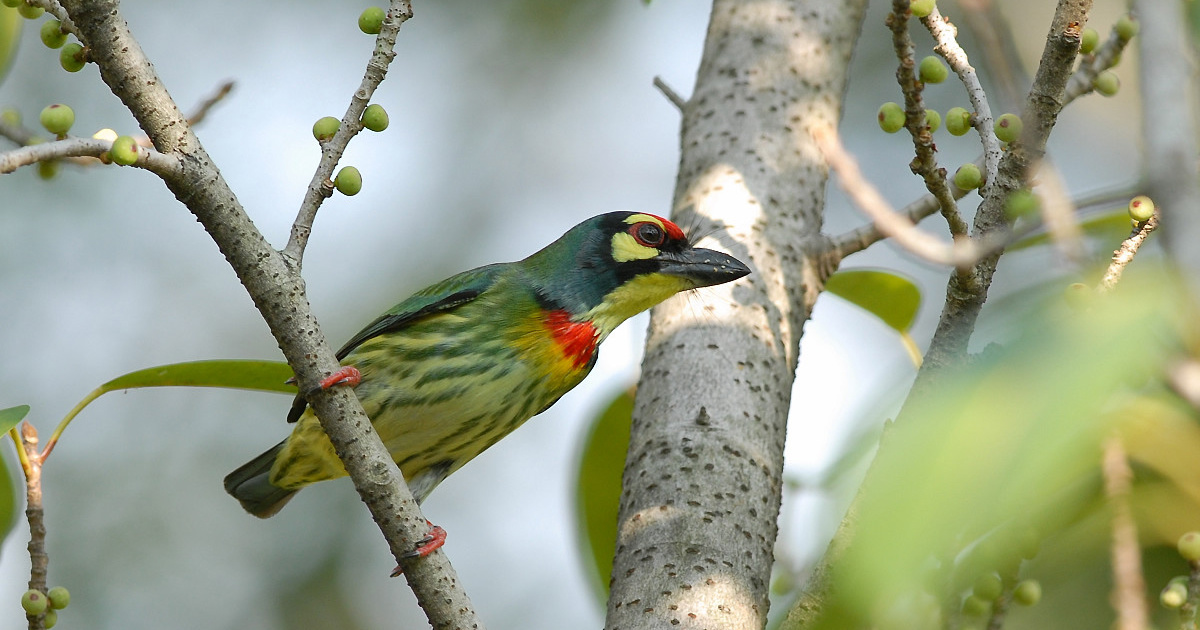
(511, 121)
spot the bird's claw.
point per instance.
(348, 375)
(427, 545)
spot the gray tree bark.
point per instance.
(1169, 129)
(703, 478)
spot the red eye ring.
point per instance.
(647, 234)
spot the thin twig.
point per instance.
(1002, 605)
(925, 163)
(1059, 213)
(1105, 199)
(149, 159)
(38, 559)
(321, 188)
(963, 252)
(83, 151)
(17, 133)
(1124, 254)
(202, 109)
(864, 236)
(1187, 612)
(944, 34)
(994, 37)
(1093, 64)
(1128, 583)
(678, 101)
(53, 7)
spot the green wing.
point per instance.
(443, 296)
(438, 298)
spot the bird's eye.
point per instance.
(648, 234)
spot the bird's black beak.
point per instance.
(703, 267)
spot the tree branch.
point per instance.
(321, 187)
(994, 37)
(1093, 64)
(35, 515)
(967, 291)
(1129, 586)
(962, 252)
(943, 33)
(278, 292)
(703, 476)
(1125, 253)
(159, 163)
(925, 164)
(864, 236)
(678, 101)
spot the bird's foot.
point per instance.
(348, 375)
(427, 545)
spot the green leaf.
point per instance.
(1008, 443)
(11, 416)
(8, 501)
(8, 487)
(598, 485)
(10, 36)
(265, 376)
(1110, 227)
(889, 296)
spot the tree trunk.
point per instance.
(703, 478)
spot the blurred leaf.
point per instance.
(8, 488)
(314, 598)
(890, 297)
(1163, 437)
(11, 416)
(1109, 227)
(10, 36)
(996, 444)
(598, 484)
(1193, 17)
(9, 491)
(266, 376)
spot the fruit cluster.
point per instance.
(37, 603)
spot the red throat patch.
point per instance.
(577, 340)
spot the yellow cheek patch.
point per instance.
(626, 248)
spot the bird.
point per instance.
(451, 370)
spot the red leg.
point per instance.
(427, 545)
(348, 375)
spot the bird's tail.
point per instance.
(251, 485)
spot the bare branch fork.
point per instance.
(321, 187)
(272, 279)
(1080, 83)
(961, 253)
